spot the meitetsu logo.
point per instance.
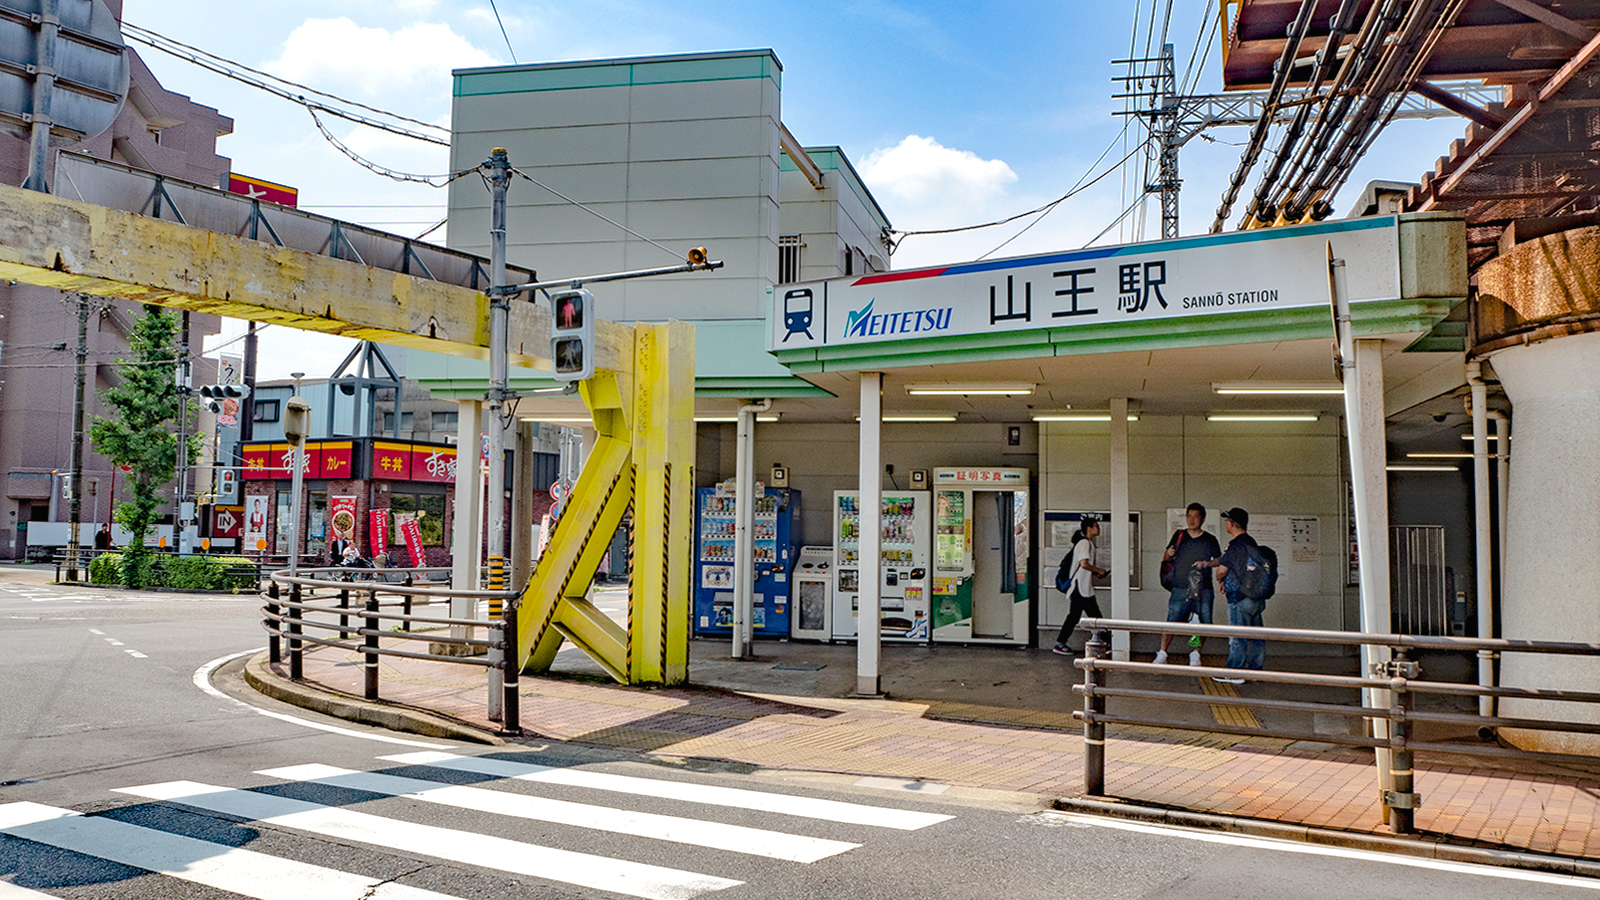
(864, 323)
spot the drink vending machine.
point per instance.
(775, 538)
(903, 575)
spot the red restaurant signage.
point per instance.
(256, 189)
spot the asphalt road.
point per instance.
(129, 768)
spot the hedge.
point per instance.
(185, 573)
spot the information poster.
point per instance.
(1059, 527)
(1298, 542)
(378, 531)
(950, 530)
(342, 518)
(256, 507)
(411, 533)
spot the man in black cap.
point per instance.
(1242, 611)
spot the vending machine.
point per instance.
(903, 576)
(811, 595)
(982, 524)
(775, 538)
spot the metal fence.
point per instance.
(342, 605)
(1391, 689)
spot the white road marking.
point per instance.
(900, 784)
(1259, 843)
(202, 680)
(716, 835)
(113, 642)
(486, 851)
(740, 798)
(9, 891)
(227, 868)
(135, 654)
(96, 631)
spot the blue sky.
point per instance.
(955, 113)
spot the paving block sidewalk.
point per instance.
(1525, 807)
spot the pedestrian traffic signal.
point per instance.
(572, 334)
(214, 394)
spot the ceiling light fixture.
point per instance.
(972, 389)
(1402, 467)
(1492, 437)
(1307, 388)
(1088, 416)
(917, 417)
(1432, 455)
(1263, 417)
(719, 419)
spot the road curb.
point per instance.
(365, 712)
(1427, 848)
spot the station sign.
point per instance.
(1158, 282)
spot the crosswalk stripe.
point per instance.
(487, 851)
(227, 868)
(716, 835)
(786, 804)
(9, 891)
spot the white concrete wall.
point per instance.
(1267, 468)
(660, 145)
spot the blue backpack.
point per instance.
(1259, 580)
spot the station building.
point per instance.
(1129, 381)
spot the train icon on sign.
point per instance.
(797, 313)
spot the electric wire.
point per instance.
(1077, 186)
(437, 181)
(596, 213)
(236, 71)
(503, 34)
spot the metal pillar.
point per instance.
(44, 84)
(466, 530)
(297, 487)
(744, 506)
(75, 508)
(1361, 370)
(869, 616)
(1094, 704)
(499, 167)
(1121, 553)
(1482, 528)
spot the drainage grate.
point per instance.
(800, 667)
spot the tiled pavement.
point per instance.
(1543, 808)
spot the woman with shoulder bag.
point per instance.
(1080, 569)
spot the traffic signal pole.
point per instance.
(75, 509)
(499, 167)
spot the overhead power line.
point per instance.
(287, 90)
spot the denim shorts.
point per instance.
(1180, 607)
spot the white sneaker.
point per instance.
(1194, 658)
(1220, 680)
(1161, 658)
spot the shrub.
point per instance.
(106, 569)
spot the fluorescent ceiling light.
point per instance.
(972, 389)
(1462, 455)
(1079, 417)
(1402, 467)
(1263, 417)
(917, 417)
(1282, 388)
(559, 420)
(770, 417)
(1492, 437)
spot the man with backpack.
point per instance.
(1247, 574)
(1190, 552)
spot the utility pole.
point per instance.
(75, 508)
(180, 540)
(499, 166)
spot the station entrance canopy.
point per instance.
(1405, 274)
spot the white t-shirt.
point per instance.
(1083, 579)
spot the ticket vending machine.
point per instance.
(811, 595)
(902, 576)
(775, 538)
(982, 526)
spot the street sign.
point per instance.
(84, 68)
(226, 521)
(558, 491)
(256, 189)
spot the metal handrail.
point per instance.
(1400, 677)
(287, 618)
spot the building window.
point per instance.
(445, 421)
(427, 509)
(406, 421)
(266, 411)
(789, 258)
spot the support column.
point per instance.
(869, 618)
(1550, 563)
(1121, 552)
(523, 490)
(467, 541)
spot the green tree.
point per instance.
(142, 433)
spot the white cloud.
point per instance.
(413, 62)
(919, 170)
